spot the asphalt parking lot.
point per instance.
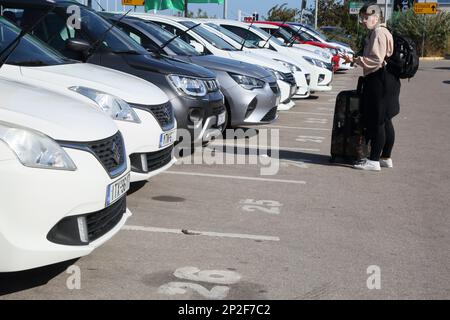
(311, 231)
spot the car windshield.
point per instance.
(60, 25)
(299, 33)
(318, 33)
(210, 37)
(278, 33)
(30, 51)
(233, 36)
(96, 28)
(266, 35)
(177, 46)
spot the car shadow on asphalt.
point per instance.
(136, 186)
(11, 282)
(291, 156)
(446, 81)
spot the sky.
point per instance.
(247, 6)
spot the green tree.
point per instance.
(281, 13)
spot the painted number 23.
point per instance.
(266, 206)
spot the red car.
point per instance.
(291, 35)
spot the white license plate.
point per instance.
(221, 119)
(117, 189)
(167, 138)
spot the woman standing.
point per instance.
(381, 89)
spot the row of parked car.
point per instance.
(91, 101)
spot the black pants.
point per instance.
(383, 142)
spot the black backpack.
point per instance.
(404, 61)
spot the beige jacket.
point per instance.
(379, 46)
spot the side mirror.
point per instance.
(197, 46)
(78, 45)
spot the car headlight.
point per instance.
(315, 62)
(290, 66)
(333, 51)
(247, 82)
(310, 60)
(35, 149)
(190, 86)
(115, 107)
(276, 73)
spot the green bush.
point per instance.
(436, 29)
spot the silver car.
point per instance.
(251, 92)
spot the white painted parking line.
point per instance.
(311, 113)
(307, 102)
(222, 176)
(316, 120)
(201, 233)
(298, 128)
(315, 139)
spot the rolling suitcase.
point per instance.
(347, 140)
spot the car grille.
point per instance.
(151, 161)
(211, 85)
(288, 77)
(110, 152)
(101, 222)
(163, 113)
(274, 87)
(271, 115)
(98, 223)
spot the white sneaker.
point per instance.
(386, 163)
(368, 165)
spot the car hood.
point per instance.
(228, 65)
(165, 65)
(270, 54)
(125, 86)
(250, 57)
(55, 115)
(313, 51)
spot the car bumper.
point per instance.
(210, 107)
(321, 80)
(142, 140)
(36, 200)
(302, 84)
(255, 106)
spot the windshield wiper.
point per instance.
(291, 40)
(161, 47)
(99, 41)
(15, 42)
(245, 39)
(125, 52)
(29, 63)
(273, 34)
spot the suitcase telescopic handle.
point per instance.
(359, 87)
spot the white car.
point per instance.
(318, 36)
(283, 35)
(141, 110)
(205, 41)
(64, 175)
(320, 70)
(301, 73)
